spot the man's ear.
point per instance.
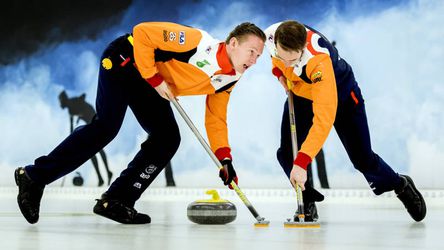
(233, 42)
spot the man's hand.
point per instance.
(164, 91)
(298, 176)
(283, 81)
(227, 173)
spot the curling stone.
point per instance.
(212, 211)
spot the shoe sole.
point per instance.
(101, 212)
(420, 196)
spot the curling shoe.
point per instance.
(310, 213)
(29, 195)
(411, 198)
(120, 212)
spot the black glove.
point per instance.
(227, 173)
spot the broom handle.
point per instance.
(294, 144)
(215, 160)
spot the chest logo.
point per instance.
(201, 64)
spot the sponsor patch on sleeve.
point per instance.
(181, 37)
(317, 77)
(172, 36)
(165, 35)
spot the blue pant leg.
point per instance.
(304, 120)
(352, 128)
(156, 117)
(87, 140)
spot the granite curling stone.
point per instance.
(213, 211)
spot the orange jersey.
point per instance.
(313, 78)
(192, 63)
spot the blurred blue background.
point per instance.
(395, 48)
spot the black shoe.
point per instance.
(310, 212)
(310, 196)
(29, 195)
(411, 198)
(118, 211)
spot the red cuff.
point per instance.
(277, 72)
(222, 153)
(302, 160)
(155, 81)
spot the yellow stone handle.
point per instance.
(214, 193)
(215, 197)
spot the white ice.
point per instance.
(350, 219)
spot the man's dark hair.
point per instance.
(291, 36)
(244, 29)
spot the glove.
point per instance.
(227, 173)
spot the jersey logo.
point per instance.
(201, 64)
(222, 82)
(317, 77)
(313, 43)
(271, 38)
(107, 63)
(182, 37)
(165, 35)
(172, 36)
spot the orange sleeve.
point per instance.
(150, 36)
(325, 102)
(216, 120)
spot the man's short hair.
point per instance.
(291, 36)
(244, 29)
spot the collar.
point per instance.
(224, 61)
